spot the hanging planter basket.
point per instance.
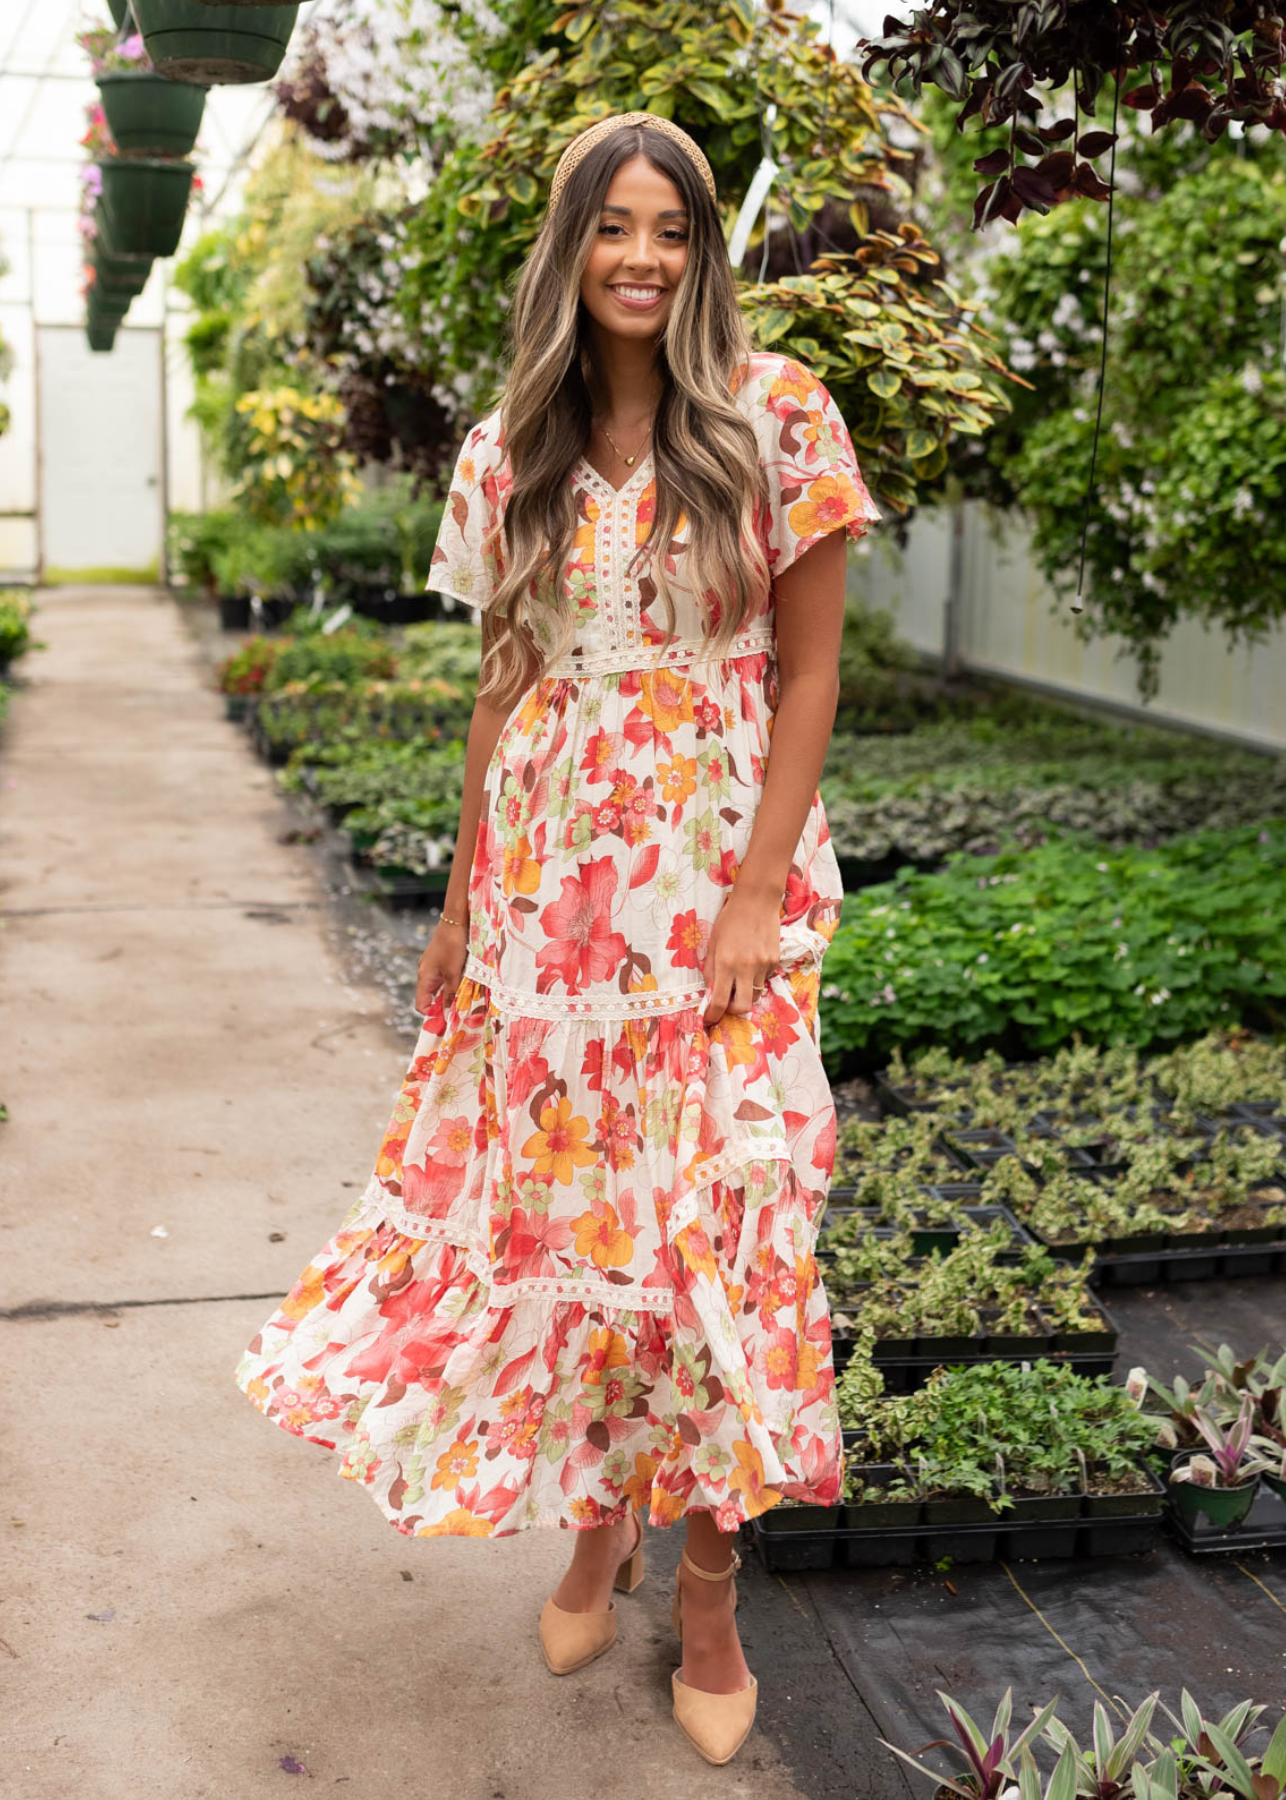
(119, 274)
(100, 332)
(107, 306)
(214, 44)
(148, 115)
(145, 201)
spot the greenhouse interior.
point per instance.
(858, 1169)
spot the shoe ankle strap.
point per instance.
(712, 1574)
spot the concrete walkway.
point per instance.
(194, 1603)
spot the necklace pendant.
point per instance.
(629, 462)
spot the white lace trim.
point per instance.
(620, 1296)
(755, 639)
(527, 1004)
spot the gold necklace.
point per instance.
(627, 460)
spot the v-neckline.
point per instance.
(597, 479)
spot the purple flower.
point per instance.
(132, 49)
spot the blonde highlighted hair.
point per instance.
(705, 457)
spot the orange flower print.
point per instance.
(521, 871)
(831, 501)
(779, 1359)
(307, 1292)
(607, 1351)
(665, 698)
(616, 1134)
(456, 1464)
(638, 1488)
(678, 778)
(558, 1146)
(748, 1479)
(697, 1252)
(793, 382)
(601, 1236)
(460, 1523)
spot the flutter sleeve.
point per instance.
(814, 483)
(468, 557)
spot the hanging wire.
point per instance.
(1078, 605)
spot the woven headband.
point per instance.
(593, 134)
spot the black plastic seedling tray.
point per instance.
(925, 1239)
(787, 1539)
(1263, 1528)
(1088, 1352)
(1197, 1262)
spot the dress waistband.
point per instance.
(753, 640)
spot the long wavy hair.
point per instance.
(705, 454)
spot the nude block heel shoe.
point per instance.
(715, 1724)
(572, 1639)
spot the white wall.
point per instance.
(1010, 624)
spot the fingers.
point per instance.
(734, 991)
(747, 988)
(720, 993)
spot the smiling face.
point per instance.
(639, 252)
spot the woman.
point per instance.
(580, 1284)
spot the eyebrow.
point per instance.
(671, 212)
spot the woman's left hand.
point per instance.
(744, 945)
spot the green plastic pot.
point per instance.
(100, 333)
(214, 45)
(145, 201)
(119, 274)
(118, 10)
(107, 306)
(149, 115)
(1223, 1506)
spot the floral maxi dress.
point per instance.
(581, 1278)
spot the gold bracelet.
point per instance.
(444, 919)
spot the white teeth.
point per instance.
(639, 293)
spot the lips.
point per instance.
(638, 303)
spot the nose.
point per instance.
(638, 252)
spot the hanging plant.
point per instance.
(100, 332)
(109, 53)
(150, 115)
(215, 45)
(98, 139)
(1224, 62)
(145, 201)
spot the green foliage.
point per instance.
(1192, 454)
(898, 349)
(1036, 1415)
(1026, 948)
(886, 335)
(335, 656)
(246, 670)
(992, 56)
(265, 560)
(247, 281)
(16, 608)
(934, 819)
(196, 540)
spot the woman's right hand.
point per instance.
(441, 966)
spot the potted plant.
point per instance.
(215, 44)
(1221, 1484)
(145, 199)
(146, 114)
(100, 331)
